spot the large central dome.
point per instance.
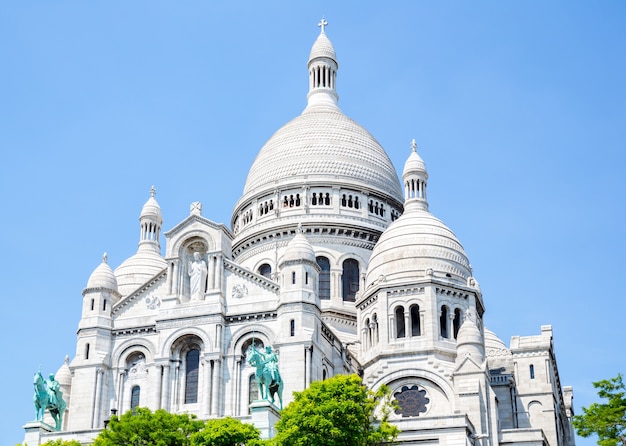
(321, 170)
(323, 144)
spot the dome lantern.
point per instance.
(323, 68)
(414, 180)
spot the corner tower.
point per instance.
(328, 173)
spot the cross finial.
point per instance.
(323, 23)
(413, 145)
(152, 191)
(105, 258)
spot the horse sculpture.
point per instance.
(267, 374)
(48, 396)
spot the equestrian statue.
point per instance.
(267, 374)
(48, 395)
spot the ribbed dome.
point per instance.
(493, 343)
(64, 375)
(470, 341)
(414, 163)
(414, 244)
(151, 208)
(322, 48)
(103, 276)
(299, 248)
(138, 269)
(323, 144)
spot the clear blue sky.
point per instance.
(519, 110)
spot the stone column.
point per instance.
(215, 387)
(165, 387)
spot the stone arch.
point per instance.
(172, 341)
(187, 238)
(130, 346)
(432, 387)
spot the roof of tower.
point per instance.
(64, 375)
(103, 276)
(138, 269)
(469, 340)
(151, 208)
(299, 248)
(416, 245)
(322, 47)
(414, 162)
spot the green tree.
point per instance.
(606, 420)
(225, 432)
(339, 411)
(62, 443)
(147, 428)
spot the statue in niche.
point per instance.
(197, 271)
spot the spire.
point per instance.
(322, 70)
(414, 178)
(150, 222)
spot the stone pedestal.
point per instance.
(264, 417)
(34, 430)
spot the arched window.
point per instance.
(292, 327)
(87, 351)
(134, 397)
(456, 323)
(253, 389)
(265, 270)
(443, 321)
(350, 280)
(324, 280)
(375, 328)
(293, 277)
(192, 362)
(415, 320)
(532, 371)
(400, 329)
(324, 374)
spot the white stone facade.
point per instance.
(338, 266)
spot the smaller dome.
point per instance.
(139, 269)
(103, 276)
(322, 47)
(414, 163)
(493, 343)
(64, 375)
(469, 341)
(151, 208)
(299, 248)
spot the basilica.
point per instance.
(334, 264)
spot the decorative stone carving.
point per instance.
(240, 290)
(411, 401)
(153, 302)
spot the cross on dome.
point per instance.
(323, 23)
(152, 191)
(413, 145)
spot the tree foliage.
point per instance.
(225, 432)
(606, 420)
(336, 411)
(62, 443)
(146, 428)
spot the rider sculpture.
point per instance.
(267, 374)
(48, 395)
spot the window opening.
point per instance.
(456, 323)
(191, 376)
(324, 278)
(350, 280)
(415, 320)
(443, 321)
(400, 329)
(134, 397)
